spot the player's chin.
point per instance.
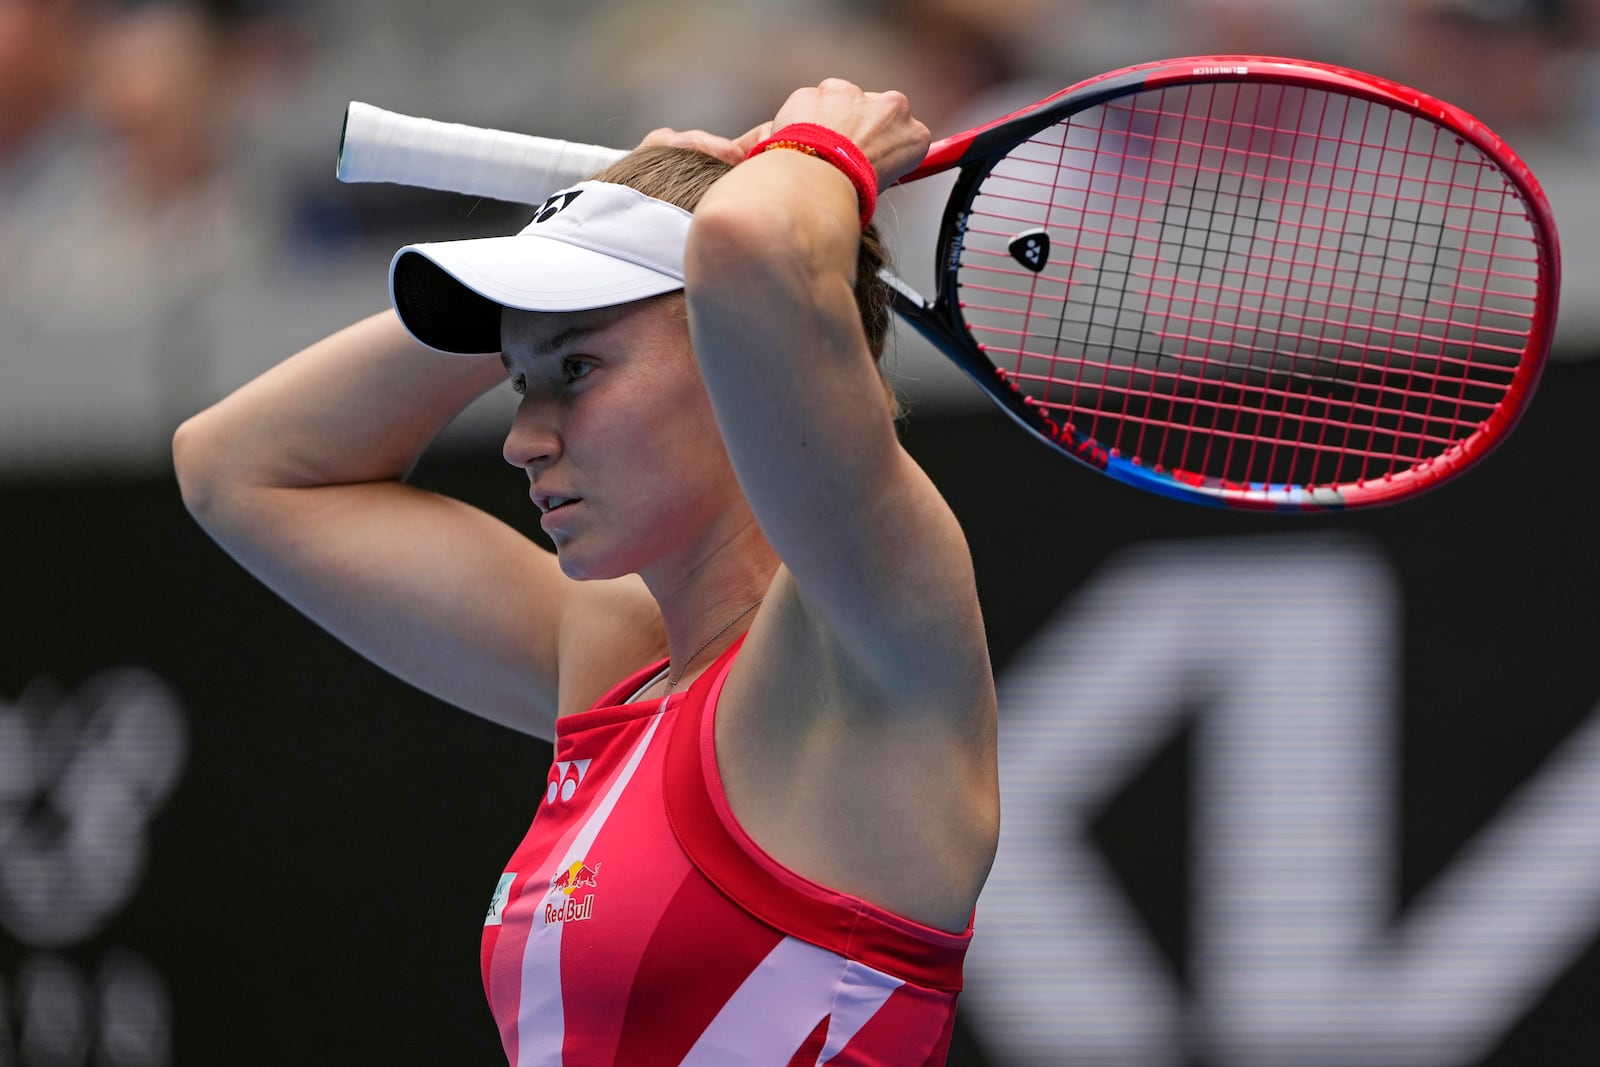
(588, 566)
(574, 566)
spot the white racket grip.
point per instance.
(519, 168)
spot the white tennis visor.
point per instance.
(594, 245)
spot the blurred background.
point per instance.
(1320, 791)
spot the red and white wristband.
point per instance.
(833, 148)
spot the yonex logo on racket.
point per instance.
(1031, 248)
(956, 240)
(554, 205)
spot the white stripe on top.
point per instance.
(783, 999)
(541, 1028)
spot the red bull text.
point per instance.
(574, 877)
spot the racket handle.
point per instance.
(384, 146)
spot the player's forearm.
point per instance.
(771, 262)
(781, 347)
(358, 406)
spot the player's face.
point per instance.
(616, 434)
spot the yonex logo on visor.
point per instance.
(548, 209)
(594, 245)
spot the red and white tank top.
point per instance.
(638, 924)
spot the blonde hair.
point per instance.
(681, 176)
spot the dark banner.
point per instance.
(1278, 791)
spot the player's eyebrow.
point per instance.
(563, 339)
(556, 342)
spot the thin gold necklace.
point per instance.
(671, 681)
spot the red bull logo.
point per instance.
(572, 878)
(577, 875)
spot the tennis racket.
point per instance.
(1246, 281)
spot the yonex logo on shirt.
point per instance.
(565, 777)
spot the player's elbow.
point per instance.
(207, 462)
(194, 463)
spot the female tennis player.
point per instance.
(757, 646)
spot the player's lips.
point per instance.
(548, 502)
(553, 507)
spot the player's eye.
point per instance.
(575, 367)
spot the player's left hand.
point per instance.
(728, 149)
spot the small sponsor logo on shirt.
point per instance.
(565, 777)
(565, 908)
(497, 903)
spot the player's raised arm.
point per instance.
(300, 474)
(772, 263)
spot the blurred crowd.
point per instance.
(170, 225)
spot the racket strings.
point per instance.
(1223, 297)
(1255, 283)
